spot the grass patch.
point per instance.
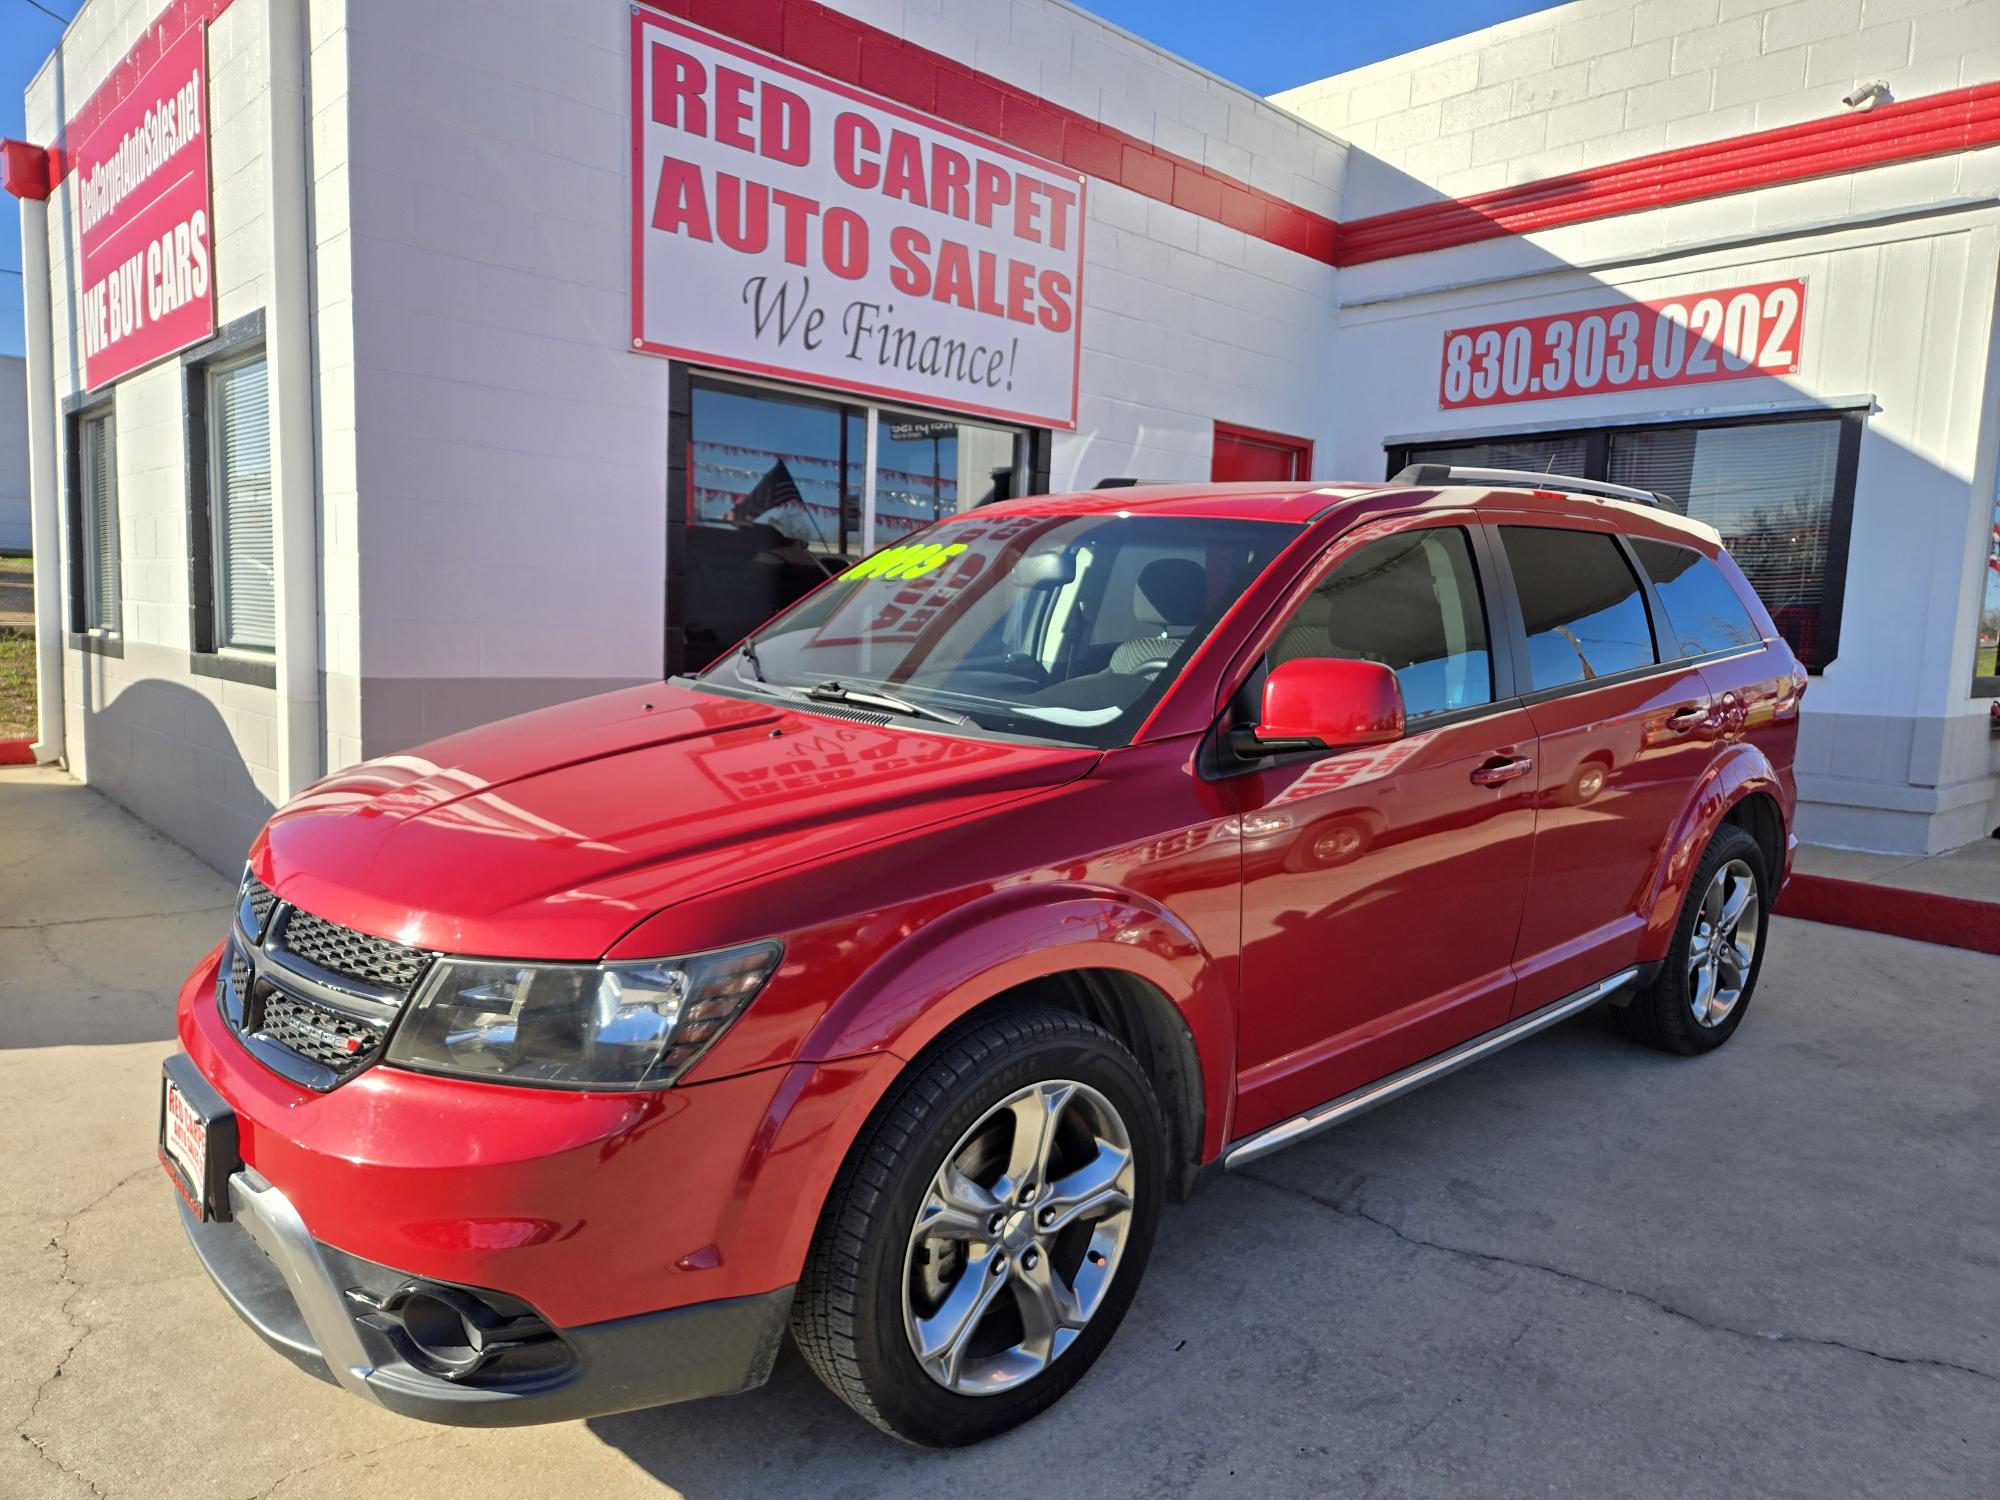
(17, 685)
(23, 566)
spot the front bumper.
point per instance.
(312, 1303)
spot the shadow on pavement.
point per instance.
(101, 918)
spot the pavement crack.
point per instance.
(71, 1289)
(334, 1458)
(122, 916)
(1355, 1211)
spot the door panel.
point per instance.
(1618, 765)
(1382, 895)
(1383, 888)
(1620, 758)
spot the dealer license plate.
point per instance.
(184, 1145)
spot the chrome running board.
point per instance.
(1339, 1111)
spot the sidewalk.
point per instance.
(1951, 898)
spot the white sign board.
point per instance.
(787, 224)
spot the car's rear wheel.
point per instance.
(989, 1230)
(1703, 988)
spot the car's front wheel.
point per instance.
(989, 1230)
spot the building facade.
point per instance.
(393, 368)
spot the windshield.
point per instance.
(1065, 628)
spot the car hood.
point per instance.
(551, 835)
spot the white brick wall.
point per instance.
(1600, 80)
(191, 754)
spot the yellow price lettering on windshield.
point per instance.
(905, 562)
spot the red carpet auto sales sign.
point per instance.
(787, 224)
(139, 183)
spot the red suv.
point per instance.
(885, 980)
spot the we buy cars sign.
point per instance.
(787, 224)
(139, 191)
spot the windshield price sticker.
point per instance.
(1733, 334)
(899, 563)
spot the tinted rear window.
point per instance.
(1584, 612)
(1704, 613)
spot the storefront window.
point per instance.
(780, 495)
(1780, 492)
(772, 461)
(927, 468)
(1768, 488)
(1557, 453)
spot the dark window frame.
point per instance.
(239, 339)
(78, 409)
(1597, 439)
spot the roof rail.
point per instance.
(1450, 474)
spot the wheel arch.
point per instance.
(1741, 787)
(1111, 956)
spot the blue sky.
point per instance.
(1265, 45)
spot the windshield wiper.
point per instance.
(833, 692)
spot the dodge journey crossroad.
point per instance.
(882, 982)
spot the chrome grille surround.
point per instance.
(310, 999)
(261, 898)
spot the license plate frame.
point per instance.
(197, 1139)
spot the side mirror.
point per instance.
(1325, 703)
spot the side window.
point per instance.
(1703, 612)
(1411, 602)
(1583, 609)
(98, 597)
(240, 475)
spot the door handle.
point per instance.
(1494, 772)
(1687, 719)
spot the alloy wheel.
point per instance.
(1018, 1237)
(1723, 944)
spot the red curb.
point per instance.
(17, 753)
(1952, 921)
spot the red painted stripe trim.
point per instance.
(169, 26)
(1952, 921)
(827, 41)
(1936, 125)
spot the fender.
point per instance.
(949, 968)
(1740, 771)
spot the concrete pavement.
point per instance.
(1578, 1268)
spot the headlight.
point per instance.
(583, 1026)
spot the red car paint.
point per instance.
(913, 874)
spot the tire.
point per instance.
(873, 1285)
(1681, 1011)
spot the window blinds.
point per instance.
(1768, 488)
(240, 417)
(102, 594)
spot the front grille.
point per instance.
(311, 999)
(342, 950)
(261, 899)
(339, 1042)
